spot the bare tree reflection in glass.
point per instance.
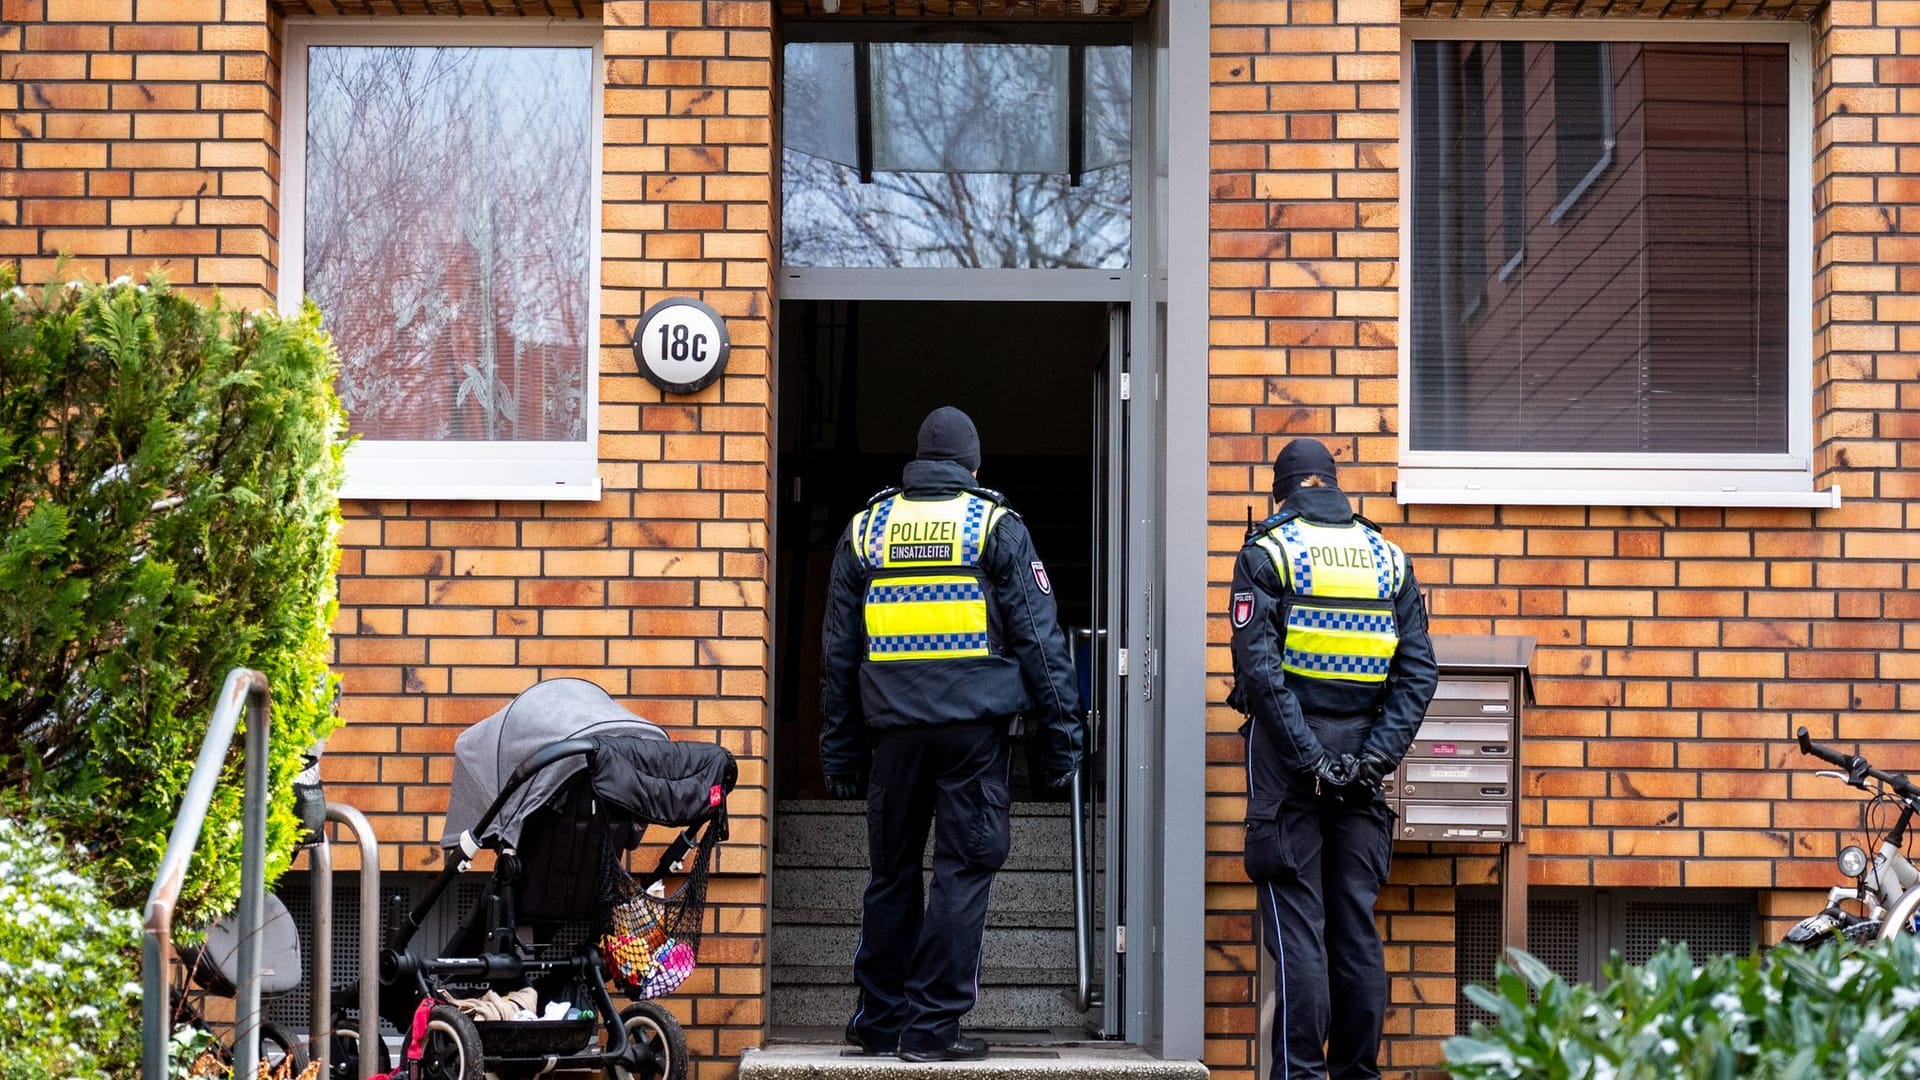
(970, 158)
(447, 218)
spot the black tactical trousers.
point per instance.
(918, 961)
(1318, 862)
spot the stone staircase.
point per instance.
(820, 868)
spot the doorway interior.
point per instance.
(855, 379)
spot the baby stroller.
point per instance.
(560, 786)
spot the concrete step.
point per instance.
(1007, 1062)
(1020, 950)
(815, 833)
(832, 896)
(828, 1002)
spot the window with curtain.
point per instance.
(956, 155)
(1635, 300)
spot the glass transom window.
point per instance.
(956, 155)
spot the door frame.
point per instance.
(1162, 789)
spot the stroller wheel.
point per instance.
(343, 1051)
(280, 1051)
(452, 1047)
(661, 1045)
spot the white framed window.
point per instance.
(441, 204)
(1644, 337)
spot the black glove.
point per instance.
(1333, 772)
(1061, 781)
(1373, 767)
(847, 787)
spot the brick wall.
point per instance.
(144, 132)
(136, 133)
(658, 592)
(1679, 648)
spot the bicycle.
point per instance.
(1887, 887)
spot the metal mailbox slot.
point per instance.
(1463, 739)
(1468, 781)
(1481, 821)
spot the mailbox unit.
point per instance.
(1461, 778)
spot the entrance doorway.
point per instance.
(1040, 381)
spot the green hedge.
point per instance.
(1837, 1013)
(169, 476)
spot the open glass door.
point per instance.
(1098, 842)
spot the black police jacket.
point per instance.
(1283, 704)
(1031, 671)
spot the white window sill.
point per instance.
(1415, 493)
(451, 472)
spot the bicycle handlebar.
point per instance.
(1856, 766)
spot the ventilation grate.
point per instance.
(290, 1010)
(1556, 932)
(1476, 944)
(1572, 931)
(1558, 927)
(1728, 926)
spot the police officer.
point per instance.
(940, 628)
(1334, 669)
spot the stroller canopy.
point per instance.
(636, 767)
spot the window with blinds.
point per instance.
(1600, 248)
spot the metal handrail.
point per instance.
(1082, 935)
(243, 687)
(320, 1024)
(1080, 823)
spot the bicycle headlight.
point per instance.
(1852, 860)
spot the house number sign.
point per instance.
(681, 346)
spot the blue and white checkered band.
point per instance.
(1317, 619)
(972, 527)
(913, 594)
(1335, 665)
(913, 643)
(1384, 565)
(1298, 555)
(877, 515)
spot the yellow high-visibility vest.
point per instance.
(1340, 582)
(926, 599)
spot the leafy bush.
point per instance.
(69, 966)
(1837, 1012)
(168, 498)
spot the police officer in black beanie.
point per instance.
(1333, 669)
(940, 628)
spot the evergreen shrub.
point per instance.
(169, 477)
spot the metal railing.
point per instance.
(1080, 822)
(320, 1027)
(248, 688)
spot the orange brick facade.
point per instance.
(1679, 648)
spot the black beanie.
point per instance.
(947, 434)
(1298, 460)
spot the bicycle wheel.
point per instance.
(662, 1044)
(1901, 916)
